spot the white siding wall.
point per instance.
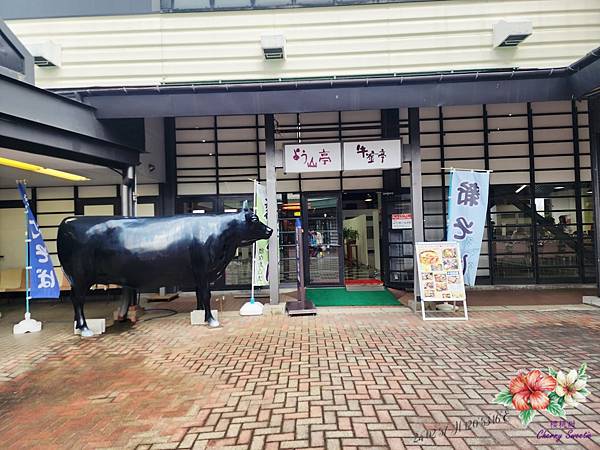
(348, 40)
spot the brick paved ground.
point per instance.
(349, 378)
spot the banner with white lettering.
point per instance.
(467, 210)
(261, 257)
(42, 279)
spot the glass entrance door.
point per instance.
(322, 239)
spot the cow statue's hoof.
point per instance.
(86, 332)
(213, 323)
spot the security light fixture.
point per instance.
(511, 34)
(273, 46)
(43, 170)
(46, 53)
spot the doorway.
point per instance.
(362, 238)
(323, 251)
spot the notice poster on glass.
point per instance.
(402, 221)
(440, 272)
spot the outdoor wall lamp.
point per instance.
(273, 46)
(511, 34)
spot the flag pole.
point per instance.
(27, 325)
(27, 265)
(253, 249)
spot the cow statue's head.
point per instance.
(253, 229)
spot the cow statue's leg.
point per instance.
(78, 297)
(208, 317)
(199, 299)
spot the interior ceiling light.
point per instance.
(521, 188)
(511, 34)
(559, 187)
(43, 170)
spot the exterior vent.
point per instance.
(273, 46)
(45, 54)
(511, 34)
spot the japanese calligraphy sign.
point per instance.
(261, 256)
(439, 270)
(365, 155)
(43, 281)
(467, 210)
(306, 158)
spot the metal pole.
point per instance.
(416, 192)
(253, 247)
(300, 261)
(272, 214)
(27, 266)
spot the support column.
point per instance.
(128, 192)
(390, 129)
(594, 121)
(168, 190)
(272, 214)
(128, 210)
(416, 191)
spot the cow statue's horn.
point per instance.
(245, 205)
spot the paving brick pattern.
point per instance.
(349, 379)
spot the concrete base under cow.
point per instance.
(98, 326)
(197, 316)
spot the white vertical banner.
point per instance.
(261, 254)
(467, 211)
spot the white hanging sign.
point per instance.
(365, 155)
(306, 158)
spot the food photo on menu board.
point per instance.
(440, 271)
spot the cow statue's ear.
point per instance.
(245, 205)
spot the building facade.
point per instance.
(216, 116)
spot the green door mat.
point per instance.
(342, 297)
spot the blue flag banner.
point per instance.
(42, 278)
(467, 210)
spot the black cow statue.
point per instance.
(153, 252)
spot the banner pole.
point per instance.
(253, 248)
(27, 268)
